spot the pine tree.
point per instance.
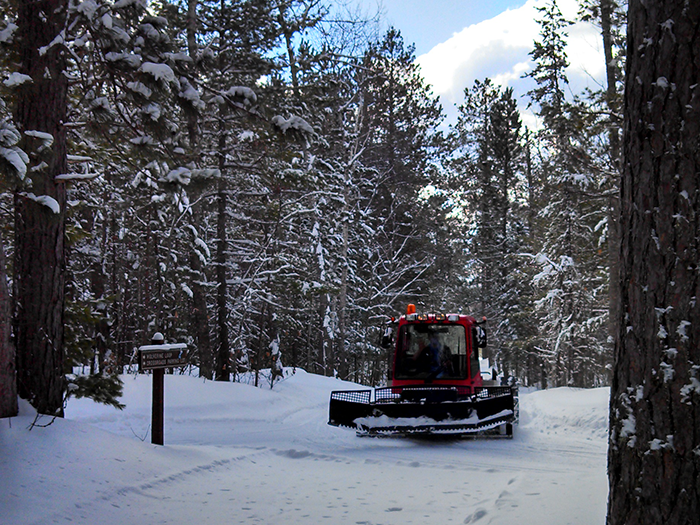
(40, 109)
(12, 167)
(549, 72)
(489, 179)
(116, 73)
(654, 417)
(403, 116)
(611, 17)
(8, 380)
(228, 61)
(573, 280)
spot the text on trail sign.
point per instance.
(153, 357)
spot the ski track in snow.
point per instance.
(237, 454)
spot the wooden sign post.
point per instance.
(158, 357)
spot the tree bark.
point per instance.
(40, 232)
(8, 378)
(223, 358)
(200, 314)
(192, 120)
(341, 350)
(611, 94)
(654, 459)
(200, 318)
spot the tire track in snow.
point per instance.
(115, 496)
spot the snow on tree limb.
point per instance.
(66, 177)
(179, 175)
(294, 123)
(17, 79)
(7, 33)
(243, 93)
(158, 71)
(45, 200)
(46, 138)
(121, 4)
(17, 158)
(139, 87)
(58, 40)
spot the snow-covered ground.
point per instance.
(238, 454)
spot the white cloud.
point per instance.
(498, 48)
(515, 74)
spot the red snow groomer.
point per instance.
(436, 384)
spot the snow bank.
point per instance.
(238, 454)
(578, 412)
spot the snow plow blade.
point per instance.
(425, 409)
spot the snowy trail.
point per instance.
(237, 454)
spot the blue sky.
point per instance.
(427, 23)
(458, 42)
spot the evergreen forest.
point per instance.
(269, 181)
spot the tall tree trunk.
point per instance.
(39, 230)
(200, 318)
(358, 146)
(8, 378)
(192, 28)
(200, 315)
(223, 367)
(653, 461)
(530, 188)
(611, 94)
(614, 140)
(341, 350)
(192, 120)
(326, 341)
(98, 288)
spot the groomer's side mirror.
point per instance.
(388, 337)
(480, 337)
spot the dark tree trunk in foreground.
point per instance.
(654, 454)
(8, 379)
(39, 228)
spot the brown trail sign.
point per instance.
(153, 357)
(158, 357)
